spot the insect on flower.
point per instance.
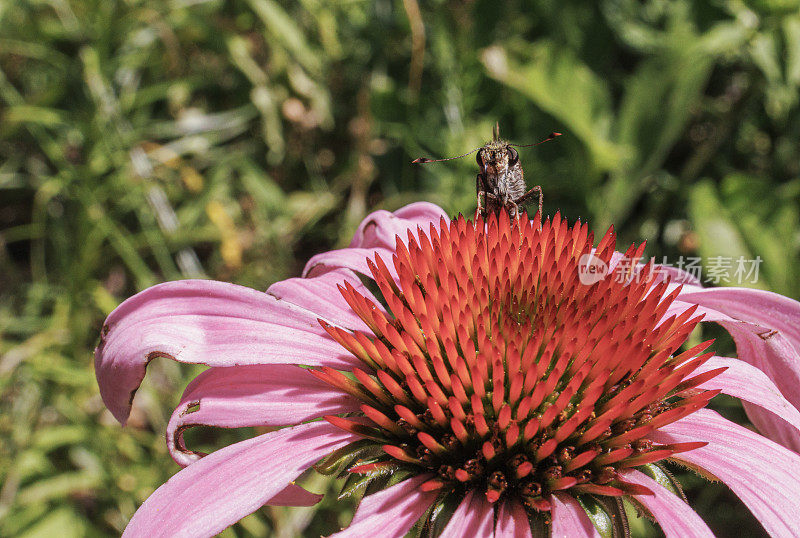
(500, 183)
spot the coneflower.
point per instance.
(484, 388)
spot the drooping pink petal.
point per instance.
(770, 351)
(320, 296)
(772, 426)
(761, 472)
(761, 307)
(748, 383)
(569, 519)
(220, 489)
(207, 322)
(473, 517)
(390, 512)
(676, 518)
(753, 317)
(772, 344)
(257, 395)
(379, 228)
(512, 521)
(294, 495)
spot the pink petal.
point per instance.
(354, 259)
(473, 517)
(390, 512)
(257, 395)
(761, 472)
(772, 426)
(767, 336)
(222, 488)
(379, 229)
(320, 296)
(756, 306)
(377, 234)
(294, 495)
(771, 352)
(569, 519)
(675, 517)
(207, 322)
(512, 521)
(422, 212)
(750, 384)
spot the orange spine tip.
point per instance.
(431, 443)
(431, 485)
(565, 482)
(399, 454)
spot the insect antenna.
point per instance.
(550, 137)
(425, 160)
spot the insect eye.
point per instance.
(479, 158)
(513, 157)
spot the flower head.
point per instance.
(491, 383)
(499, 372)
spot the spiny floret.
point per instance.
(495, 367)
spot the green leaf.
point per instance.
(284, 29)
(718, 234)
(774, 7)
(791, 29)
(343, 457)
(764, 219)
(746, 221)
(57, 436)
(355, 485)
(660, 474)
(62, 522)
(443, 510)
(658, 103)
(607, 514)
(558, 82)
(58, 487)
(33, 114)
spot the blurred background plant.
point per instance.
(143, 141)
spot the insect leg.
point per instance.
(524, 198)
(479, 190)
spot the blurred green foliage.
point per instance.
(143, 141)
